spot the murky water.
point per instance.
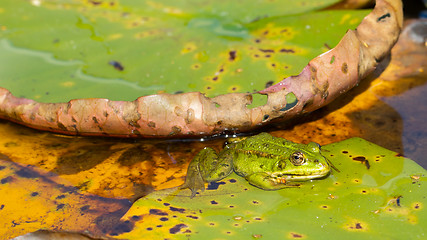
(412, 107)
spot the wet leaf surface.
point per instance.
(36, 199)
(140, 48)
(385, 200)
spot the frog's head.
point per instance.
(303, 163)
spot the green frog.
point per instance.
(265, 161)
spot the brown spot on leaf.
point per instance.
(325, 90)
(344, 68)
(117, 65)
(85, 208)
(177, 228)
(180, 210)
(28, 173)
(158, 212)
(313, 69)
(95, 3)
(178, 111)
(383, 17)
(95, 120)
(68, 107)
(232, 55)
(60, 206)
(296, 235)
(122, 227)
(267, 50)
(284, 50)
(308, 103)
(190, 116)
(61, 126)
(356, 226)
(151, 124)
(134, 124)
(175, 130)
(6, 180)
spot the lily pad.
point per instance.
(137, 48)
(376, 194)
(194, 114)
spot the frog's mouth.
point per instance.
(302, 176)
(295, 177)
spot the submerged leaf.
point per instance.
(32, 199)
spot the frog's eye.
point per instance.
(297, 158)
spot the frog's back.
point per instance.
(260, 153)
(265, 143)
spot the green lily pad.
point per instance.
(376, 195)
(64, 50)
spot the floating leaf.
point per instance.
(261, 43)
(145, 47)
(376, 194)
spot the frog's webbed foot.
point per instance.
(206, 167)
(194, 180)
(199, 169)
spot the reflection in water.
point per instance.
(108, 167)
(412, 106)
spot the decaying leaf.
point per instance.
(193, 114)
(37, 199)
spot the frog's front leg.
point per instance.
(267, 182)
(207, 166)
